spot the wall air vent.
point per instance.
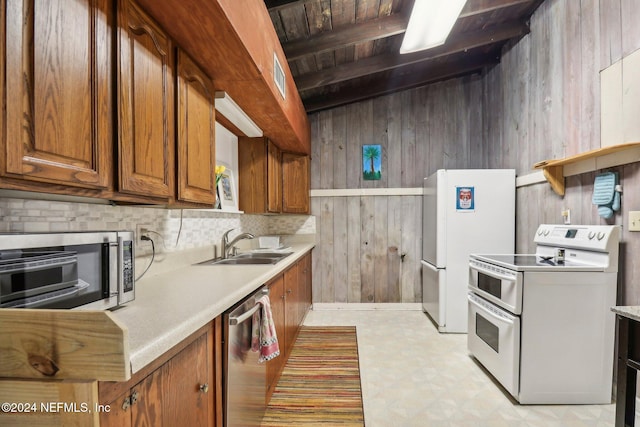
(278, 76)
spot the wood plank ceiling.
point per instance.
(343, 51)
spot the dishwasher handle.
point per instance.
(236, 320)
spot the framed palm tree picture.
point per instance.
(371, 162)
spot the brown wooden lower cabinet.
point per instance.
(182, 387)
(188, 379)
(277, 298)
(290, 295)
(291, 316)
(304, 272)
(146, 401)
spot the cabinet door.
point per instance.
(147, 401)
(145, 105)
(182, 387)
(274, 366)
(119, 414)
(189, 386)
(274, 178)
(196, 133)
(252, 175)
(291, 306)
(260, 164)
(304, 282)
(295, 178)
(58, 92)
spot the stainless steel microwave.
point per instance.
(92, 270)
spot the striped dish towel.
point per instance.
(263, 337)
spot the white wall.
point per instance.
(227, 151)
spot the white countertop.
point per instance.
(171, 305)
(630, 311)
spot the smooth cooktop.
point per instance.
(534, 262)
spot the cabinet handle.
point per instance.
(126, 404)
(204, 388)
(134, 398)
(289, 291)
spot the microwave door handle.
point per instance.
(492, 274)
(114, 276)
(31, 268)
(504, 318)
(45, 299)
(121, 265)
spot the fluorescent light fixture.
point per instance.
(430, 23)
(232, 112)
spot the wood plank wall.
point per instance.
(541, 102)
(370, 247)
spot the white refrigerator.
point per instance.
(465, 211)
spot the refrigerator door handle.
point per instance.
(429, 266)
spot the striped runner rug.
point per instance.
(320, 384)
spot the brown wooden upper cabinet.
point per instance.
(145, 105)
(196, 133)
(238, 42)
(57, 92)
(295, 183)
(271, 181)
(260, 176)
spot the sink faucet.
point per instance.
(227, 245)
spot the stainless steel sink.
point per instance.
(249, 258)
(244, 261)
(275, 255)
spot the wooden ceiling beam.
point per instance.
(274, 5)
(472, 7)
(402, 79)
(479, 7)
(375, 64)
(330, 40)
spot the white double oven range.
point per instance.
(541, 324)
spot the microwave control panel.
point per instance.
(127, 265)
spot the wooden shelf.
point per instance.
(554, 170)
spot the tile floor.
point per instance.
(413, 376)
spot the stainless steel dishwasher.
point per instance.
(245, 380)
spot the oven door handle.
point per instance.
(492, 273)
(498, 314)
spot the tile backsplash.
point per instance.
(196, 228)
(292, 224)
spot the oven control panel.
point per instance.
(589, 237)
